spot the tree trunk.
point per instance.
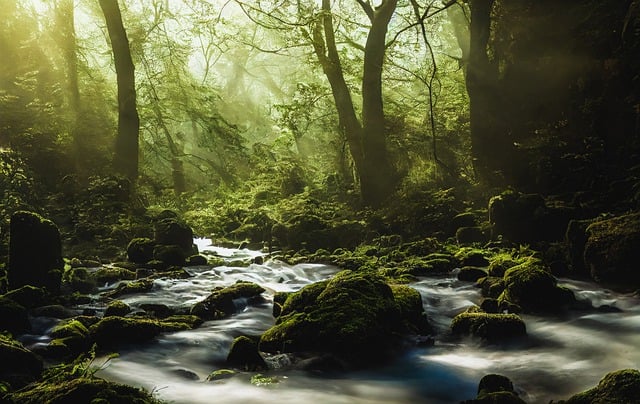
(490, 144)
(126, 148)
(378, 179)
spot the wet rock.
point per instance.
(496, 389)
(221, 374)
(220, 303)
(196, 260)
(139, 286)
(173, 231)
(490, 327)
(28, 296)
(69, 339)
(622, 386)
(353, 315)
(82, 390)
(531, 286)
(472, 257)
(278, 301)
(54, 311)
(170, 255)
(244, 355)
(114, 274)
(411, 308)
(40, 268)
(117, 308)
(576, 239)
(114, 332)
(78, 279)
(612, 251)
(471, 274)
(157, 310)
(18, 366)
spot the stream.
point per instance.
(561, 356)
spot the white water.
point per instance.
(561, 356)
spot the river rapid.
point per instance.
(561, 356)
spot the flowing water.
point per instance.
(561, 356)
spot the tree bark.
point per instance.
(377, 181)
(126, 147)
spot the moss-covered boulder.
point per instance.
(28, 296)
(619, 387)
(353, 315)
(531, 286)
(612, 251)
(113, 332)
(496, 389)
(220, 303)
(172, 255)
(14, 318)
(18, 366)
(412, 312)
(489, 327)
(471, 274)
(78, 279)
(113, 274)
(35, 252)
(244, 355)
(576, 239)
(117, 308)
(173, 231)
(69, 338)
(139, 286)
(82, 390)
(140, 250)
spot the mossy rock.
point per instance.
(173, 231)
(490, 327)
(139, 286)
(115, 332)
(471, 235)
(619, 387)
(278, 301)
(78, 279)
(411, 308)
(187, 319)
(170, 255)
(196, 260)
(472, 257)
(71, 328)
(244, 355)
(140, 250)
(532, 287)
(220, 303)
(221, 374)
(471, 274)
(18, 365)
(491, 286)
(82, 390)
(354, 315)
(495, 389)
(500, 263)
(117, 308)
(14, 318)
(28, 296)
(612, 252)
(113, 274)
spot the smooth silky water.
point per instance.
(561, 356)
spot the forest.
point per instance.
(340, 201)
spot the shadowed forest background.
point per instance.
(325, 131)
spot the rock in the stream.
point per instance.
(35, 252)
(619, 387)
(117, 308)
(244, 355)
(353, 315)
(220, 303)
(490, 327)
(612, 251)
(13, 317)
(114, 332)
(495, 389)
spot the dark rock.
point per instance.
(140, 250)
(27, 296)
(489, 305)
(220, 303)
(18, 366)
(278, 301)
(13, 317)
(494, 383)
(622, 386)
(244, 355)
(172, 231)
(196, 260)
(612, 251)
(492, 286)
(470, 235)
(221, 374)
(41, 268)
(170, 255)
(411, 308)
(495, 389)
(471, 274)
(113, 274)
(54, 311)
(139, 286)
(576, 238)
(78, 279)
(466, 219)
(472, 257)
(114, 332)
(157, 310)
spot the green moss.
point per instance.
(114, 332)
(220, 303)
(619, 387)
(140, 286)
(112, 274)
(70, 328)
(531, 286)
(500, 263)
(221, 374)
(82, 390)
(409, 302)
(261, 380)
(490, 327)
(117, 308)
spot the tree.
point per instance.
(126, 147)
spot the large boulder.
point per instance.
(612, 251)
(496, 389)
(531, 287)
(18, 366)
(114, 332)
(35, 252)
(353, 315)
(244, 355)
(173, 231)
(622, 386)
(13, 317)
